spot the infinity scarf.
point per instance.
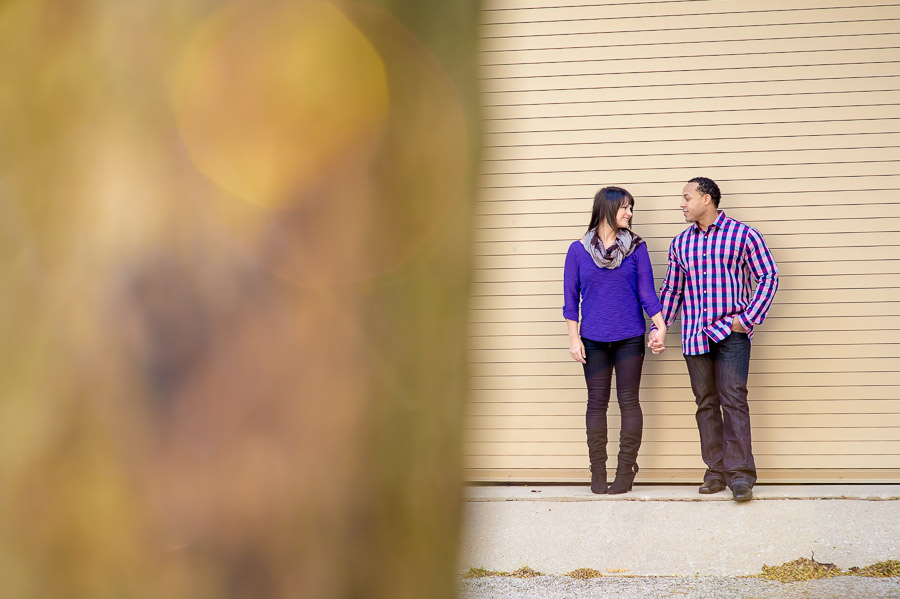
(626, 243)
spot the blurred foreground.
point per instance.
(234, 267)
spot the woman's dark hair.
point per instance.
(707, 186)
(606, 205)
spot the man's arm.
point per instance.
(670, 295)
(765, 272)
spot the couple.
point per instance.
(608, 273)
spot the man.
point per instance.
(710, 266)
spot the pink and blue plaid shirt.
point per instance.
(709, 271)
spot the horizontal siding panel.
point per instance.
(804, 205)
(685, 448)
(657, 137)
(771, 325)
(671, 229)
(785, 269)
(698, 76)
(775, 145)
(591, 176)
(665, 210)
(761, 354)
(693, 116)
(535, 11)
(684, 461)
(578, 394)
(671, 186)
(714, 22)
(676, 381)
(761, 338)
(800, 257)
(865, 283)
(653, 421)
(523, 11)
(729, 159)
(504, 5)
(688, 408)
(816, 365)
(666, 435)
(825, 242)
(548, 73)
(689, 475)
(777, 311)
(601, 97)
(823, 300)
(590, 53)
(633, 7)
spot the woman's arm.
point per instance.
(646, 290)
(571, 301)
(649, 301)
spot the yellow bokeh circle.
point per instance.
(267, 96)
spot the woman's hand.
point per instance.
(576, 350)
(657, 340)
(576, 347)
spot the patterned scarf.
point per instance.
(626, 243)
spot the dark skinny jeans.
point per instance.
(626, 358)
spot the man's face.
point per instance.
(693, 204)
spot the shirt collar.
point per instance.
(720, 220)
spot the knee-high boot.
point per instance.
(627, 468)
(596, 441)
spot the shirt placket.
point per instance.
(699, 325)
(707, 240)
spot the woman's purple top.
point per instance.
(611, 298)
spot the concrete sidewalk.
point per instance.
(669, 530)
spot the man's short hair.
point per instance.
(708, 186)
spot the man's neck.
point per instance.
(707, 220)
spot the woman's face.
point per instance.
(623, 216)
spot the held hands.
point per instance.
(576, 350)
(657, 340)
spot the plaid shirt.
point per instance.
(710, 272)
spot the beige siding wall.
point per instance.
(794, 108)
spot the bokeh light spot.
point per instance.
(268, 97)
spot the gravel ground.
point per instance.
(665, 587)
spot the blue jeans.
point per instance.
(719, 382)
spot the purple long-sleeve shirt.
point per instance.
(612, 299)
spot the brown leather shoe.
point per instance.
(712, 486)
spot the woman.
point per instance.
(609, 273)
